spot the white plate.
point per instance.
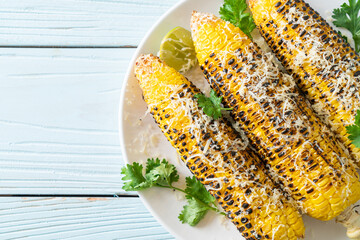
(142, 139)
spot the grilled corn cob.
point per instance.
(216, 155)
(300, 151)
(324, 65)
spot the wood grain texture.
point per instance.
(78, 22)
(59, 120)
(77, 218)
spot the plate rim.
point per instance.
(128, 73)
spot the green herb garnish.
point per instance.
(234, 11)
(354, 130)
(211, 105)
(347, 16)
(163, 174)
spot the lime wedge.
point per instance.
(177, 50)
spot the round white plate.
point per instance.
(142, 139)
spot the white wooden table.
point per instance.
(62, 65)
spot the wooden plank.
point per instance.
(59, 120)
(78, 23)
(77, 218)
(99, 218)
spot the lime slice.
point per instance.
(177, 50)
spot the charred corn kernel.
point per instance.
(299, 149)
(216, 155)
(324, 65)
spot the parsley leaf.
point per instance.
(354, 130)
(347, 16)
(234, 12)
(163, 174)
(211, 105)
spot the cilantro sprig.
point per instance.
(211, 105)
(234, 11)
(163, 174)
(347, 16)
(354, 130)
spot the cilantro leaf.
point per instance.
(211, 105)
(196, 189)
(354, 130)
(134, 174)
(193, 212)
(152, 163)
(157, 173)
(162, 173)
(199, 202)
(354, 136)
(234, 12)
(347, 16)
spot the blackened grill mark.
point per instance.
(227, 198)
(230, 202)
(248, 225)
(206, 136)
(303, 130)
(310, 191)
(281, 9)
(244, 220)
(314, 166)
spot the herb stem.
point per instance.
(183, 191)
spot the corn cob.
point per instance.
(299, 149)
(216, 155)
(324, 65)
